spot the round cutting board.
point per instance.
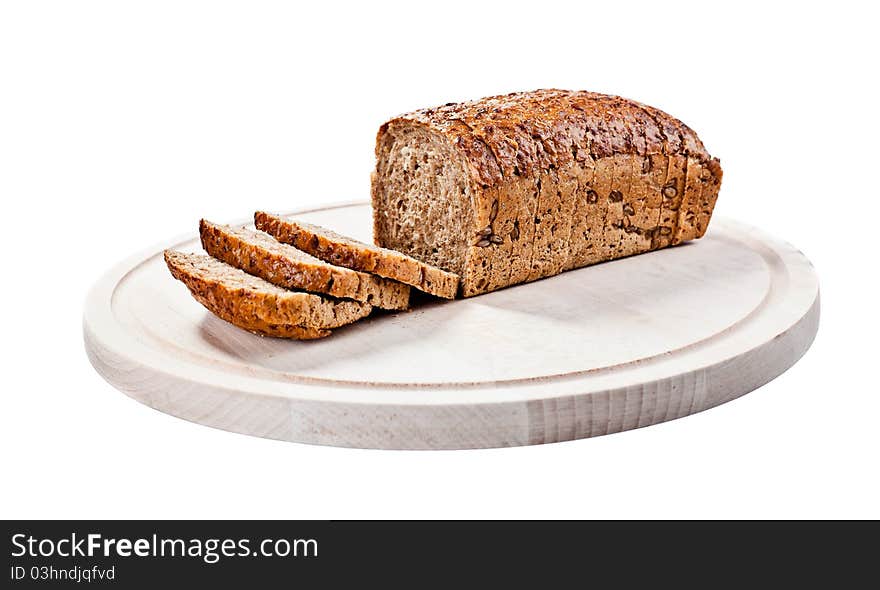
(611, 347)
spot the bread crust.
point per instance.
(543, 129)
(533, 158)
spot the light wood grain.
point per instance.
(616, 346)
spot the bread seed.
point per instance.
(496, 239)
(514, 233)
(592, 197)
(486, 231)
(628, 209)
(665, 231)
(483, 243)
(615, 196)
(494, 213)
(670, 191)
(705, 174)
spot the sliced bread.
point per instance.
(258, 306)
(259, 254)
(514, 188)
(336, 249)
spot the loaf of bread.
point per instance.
(349, 253)
(514, 188)
(261, 255)
(258, 306)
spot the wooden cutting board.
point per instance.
(616, 346)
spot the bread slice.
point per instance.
(673, 192)
(699, 200)
(259, 254)
(615, 217)
(598, 198)
(580, 239)
(636, 214)
(336, 249)
(556, 202)
(258, 306)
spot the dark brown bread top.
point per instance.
(522, 133)
(343, 251)
(259, 254)
(256, 305)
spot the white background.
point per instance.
(122, 123)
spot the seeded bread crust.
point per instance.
(259, 254)
(560, 179)
(256, 305)
(340, 250)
